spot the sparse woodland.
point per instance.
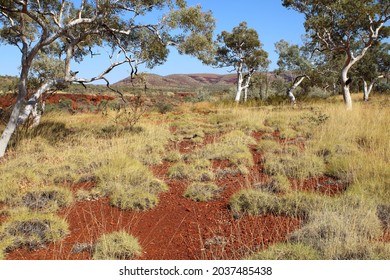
(279, 165)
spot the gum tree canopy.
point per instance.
(66, 31)
(242, 50)
(349, 27)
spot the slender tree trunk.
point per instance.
(13, 121)
(298, 80)
(346, 84)
(239, 86)
(367, 88)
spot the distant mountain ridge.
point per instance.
(181, 80)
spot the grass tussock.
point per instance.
(196, 170)
(198, 191)
(287, 251)
(32, 230)
(233, 146)
(117, 246)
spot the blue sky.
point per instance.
(268, 17)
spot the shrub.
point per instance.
(33, 230)
(201, 191)
(117, 246)
(287, 251)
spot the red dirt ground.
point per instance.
(76, 99)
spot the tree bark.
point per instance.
(346, 82)
(367, 88)
(13, 121)
(298, 80)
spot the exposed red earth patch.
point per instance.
(76, 99)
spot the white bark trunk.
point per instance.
(12, 122)
(346, 92)
(367, 88)
(298, 80)
(239, 87)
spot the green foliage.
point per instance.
(201, 191)
(241, 44)
(117, 246)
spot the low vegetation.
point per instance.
(272, 150)
(117, 246)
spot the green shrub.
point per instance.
(117, 246)
(33, 230)
(287, 251)
(201, 191)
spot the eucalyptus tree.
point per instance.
(349, 27)
(64, 32)
(374, 66)
(295, 60)
(242, 50)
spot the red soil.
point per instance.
(8, 100)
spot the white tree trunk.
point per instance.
(298, 80)
(346, 82)
(367, 88)
(12, 122)
(239, 86)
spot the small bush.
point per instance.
(201, 191)
(33, 230)
(287, 251)
(117, 246)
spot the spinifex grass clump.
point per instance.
(275, 184)
(195, 170)
(258, 202)
(287, 251)
(198, 191)
(301, 166)
(233, 147)
(32, 230)
(48, 198)
(117, 246)
(129, 184)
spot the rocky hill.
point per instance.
(190, 81)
